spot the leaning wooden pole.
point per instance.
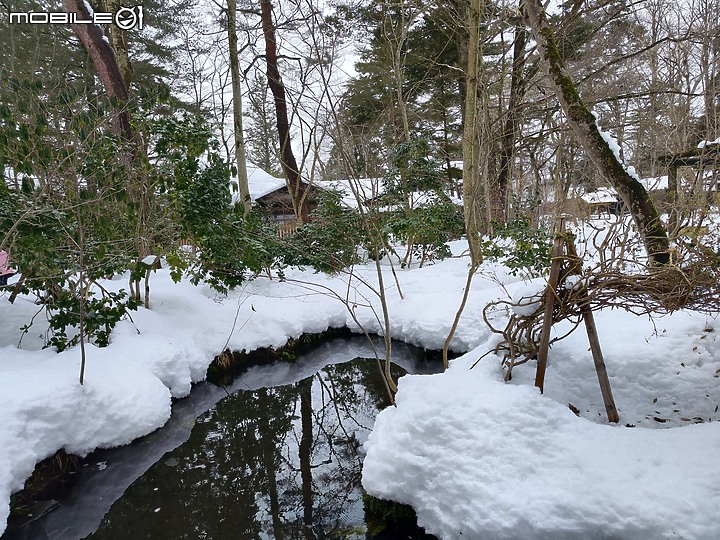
(550, 296)
(597, 355)
(589, 320)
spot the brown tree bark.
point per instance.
(298, 189)
(473, 188)
(510, 128)
(105, 62)
(108, 69)
(585, 130)
(119, 42)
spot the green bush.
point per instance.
(520, 247)
(330, 241)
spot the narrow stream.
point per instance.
(278, 454)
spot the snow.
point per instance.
(615, 148)
(703, 144)
(474, 456)
(602, 195)
(89, 8)
(526, 300)
(158, 354)
(366, 189)
(655, 183)
(478, 458)
(261, 183)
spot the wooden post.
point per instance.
(550, 295)
(673, 199)
(589, 320)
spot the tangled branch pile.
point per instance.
(611, 273)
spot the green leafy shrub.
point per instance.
(101, 314)
(420, 214)
(427, 229)
(330, 241)
(521, 247)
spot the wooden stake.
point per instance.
(589, 320)
(600, 368)
(550, 295)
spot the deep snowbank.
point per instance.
(477, 458)
(162, 351)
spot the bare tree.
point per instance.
(297, 188)
(583, 125)
(243, 187)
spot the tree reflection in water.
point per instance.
(281, 462)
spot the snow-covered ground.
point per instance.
(478, 458)
(474, 456)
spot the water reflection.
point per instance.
(279, 456)
(281, 462)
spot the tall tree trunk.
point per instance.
(119, 42)
(298, 190)
(473, 192)
(105, 62)
(473, 189)
(243, 187)
(585, 130)
(509, 134)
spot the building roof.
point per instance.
(262, 183)
(366, 189)
(601, 196)
(655, 183)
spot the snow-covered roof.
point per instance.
(605, 195)
(366, 188)
(601, 196)
(418, 198)
(703, 144)
(261, 183)
(370, 188)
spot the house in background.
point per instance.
(601, 203)
(355, 191)
(271, 193)
(605, 201)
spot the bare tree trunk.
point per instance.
(473, 192)
(119, 42)
(243, 187)
(109, 71)
(105, 62)
(587, 134)
(287, 158)
(509, 134)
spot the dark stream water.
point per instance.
(278, 454)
